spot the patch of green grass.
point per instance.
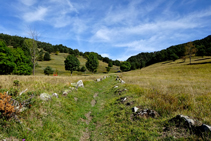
(57, 63)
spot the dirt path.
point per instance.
(86, 134)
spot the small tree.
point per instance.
(108, 69)
(47, 57)
(71, 63)
(125, 66)
(190, 49)
(31, 44)
(48, 70)
(7, 64)
(92, 63)
(110, 64)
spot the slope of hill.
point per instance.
(100, 111)
(203, 48)
(57, 62)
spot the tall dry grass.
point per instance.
(176, 87)
(43, 83)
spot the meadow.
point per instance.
(170, 88)
(57, 63)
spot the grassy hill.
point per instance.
(96, 111)
(57, 62)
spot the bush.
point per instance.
(48, 70)
(92, 63)
(83, 69)
(47, 57)
(6, 108)
(125, 66)
(71, 63)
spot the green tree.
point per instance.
(108, 69)
(48, 70)
(174, 57)
(47, 57)
(201, 51)
(32, 46)
(92, 63)
(71, 63)
(40, 55)
(190, 49)
(83, 69)
(125, 66)
(23, 63)
(110, 64)
(7, 64)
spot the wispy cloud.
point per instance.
(28, 2)
(127, 27)
(37, 15)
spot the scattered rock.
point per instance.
(73, 84)
(93, 102)
(117, 79)
(95, 95)
(104, 77)
(98, 80)
(72, 88)
(65, 92)
(80, 84)
(135, 109)
(121, 81)
(20, 109)
(45, 96)
(144, 112)
(192, 125)
(55, 95)
(75, 98)
(119, 92)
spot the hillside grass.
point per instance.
(170, 88)
(57, 63)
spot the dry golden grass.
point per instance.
(176, 87)
(43, 83)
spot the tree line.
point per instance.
(198, 47)
(17, 41)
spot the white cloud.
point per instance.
(37, 15)
(105, 55)
(28, 2)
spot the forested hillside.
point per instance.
(17, 41)
(202, 48)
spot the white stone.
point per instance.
(80, 83)
(65, 92)
(115, 86)
(45, 96)
(55, 94)
(206, 127)
(135, 109)
(190, 121)
(98, 80)
(124, 99)
(122, 81)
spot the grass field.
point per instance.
(170, 88)
(57, 63)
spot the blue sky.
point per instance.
(116, 29)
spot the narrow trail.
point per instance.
(86, 134)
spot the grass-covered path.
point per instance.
(96, 112)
